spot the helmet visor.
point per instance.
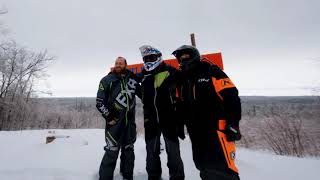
(150, 58)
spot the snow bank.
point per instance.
(25, 155)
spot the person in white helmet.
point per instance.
(158, 89)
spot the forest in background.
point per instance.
(284, 125)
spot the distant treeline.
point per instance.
(293, 121)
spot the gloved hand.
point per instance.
(110, 118)
(233, 133)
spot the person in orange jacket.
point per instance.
(211, 109)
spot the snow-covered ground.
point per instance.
(25, 156)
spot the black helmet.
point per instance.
(191, 51)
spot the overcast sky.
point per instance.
(269, 47)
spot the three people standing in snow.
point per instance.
(199, 95)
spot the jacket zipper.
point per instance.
(171, 98)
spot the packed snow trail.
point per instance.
(24, 155)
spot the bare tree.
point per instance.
(284, 133)
(19, 69)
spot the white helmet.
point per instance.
(151, 56)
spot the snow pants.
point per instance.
(213, 155)
(118, 137)
(153, 165)
(109, 161)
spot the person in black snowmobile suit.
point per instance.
(211, 108)
(116, 102)
(158, 97)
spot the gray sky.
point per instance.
(269, 47)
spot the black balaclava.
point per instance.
(187, 65)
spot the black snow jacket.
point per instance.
(159, 96)
(116, 101)
(209, 102)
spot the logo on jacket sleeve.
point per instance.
(203, 80)
(101, 88)
(233, 155)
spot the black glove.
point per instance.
(106, 116)
(232, 133)
(109, 116)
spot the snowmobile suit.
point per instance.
(116, 101)
(209, 102)
(158, 97)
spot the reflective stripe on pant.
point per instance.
(109, 161)
(108, 164)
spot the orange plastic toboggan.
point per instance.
(215, 58)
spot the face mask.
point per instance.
(186, 65)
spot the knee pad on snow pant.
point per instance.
(127, 161)
(209, 174)
(175, 164)
(153, 164)
(108, 164)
